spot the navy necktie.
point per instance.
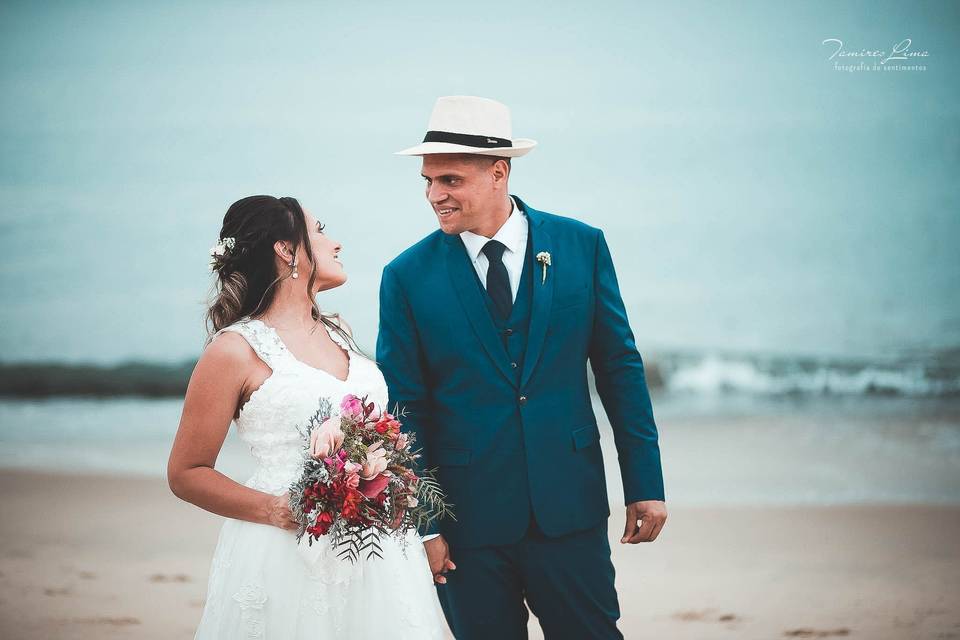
(498, 282)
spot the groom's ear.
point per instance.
(501, 169)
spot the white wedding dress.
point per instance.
(262, 583)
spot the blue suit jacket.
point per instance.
(501, 449)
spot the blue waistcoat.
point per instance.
(514, 330)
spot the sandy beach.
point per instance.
(89, 557)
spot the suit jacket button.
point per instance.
(523, 399)
(513, 365)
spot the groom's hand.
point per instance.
(438, 555)
(652, 515)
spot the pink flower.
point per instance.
(373, 488)
(376, 462)
(351, 472)
(326, 438)
(334, 463)
(351, 407)
(352, 480)
(401, 442)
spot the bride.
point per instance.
(265, 367)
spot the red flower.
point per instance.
(351, 505)
(387, 425)
(349, 512)
(322, 524)
(339, 488)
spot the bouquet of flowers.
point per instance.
(358, 481)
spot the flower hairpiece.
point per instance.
(222, 248)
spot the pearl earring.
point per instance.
(294, 265)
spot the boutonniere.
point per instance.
(544, 258)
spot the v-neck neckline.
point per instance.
(310, 366)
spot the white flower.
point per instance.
(223, 246)
(220, 249)
(544, 258)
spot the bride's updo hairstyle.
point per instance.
(246, 264)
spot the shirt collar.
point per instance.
(512, 234)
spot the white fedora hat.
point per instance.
(468, 124)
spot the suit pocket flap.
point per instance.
(451, 457)
(585, 436)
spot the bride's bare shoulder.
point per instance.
(219, 379)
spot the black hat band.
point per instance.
(484, 142)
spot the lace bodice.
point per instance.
(272, 420)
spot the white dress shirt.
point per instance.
(513, 234)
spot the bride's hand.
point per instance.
(279, 514)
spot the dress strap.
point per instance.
(335, 335)
(262, 339)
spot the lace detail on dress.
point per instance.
(328, 586)
(339, 339)
(251, 598)
(264, 341)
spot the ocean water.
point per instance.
(715, 450)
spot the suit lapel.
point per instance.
(542, 292)
(463, 276)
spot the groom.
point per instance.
(486, 326)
